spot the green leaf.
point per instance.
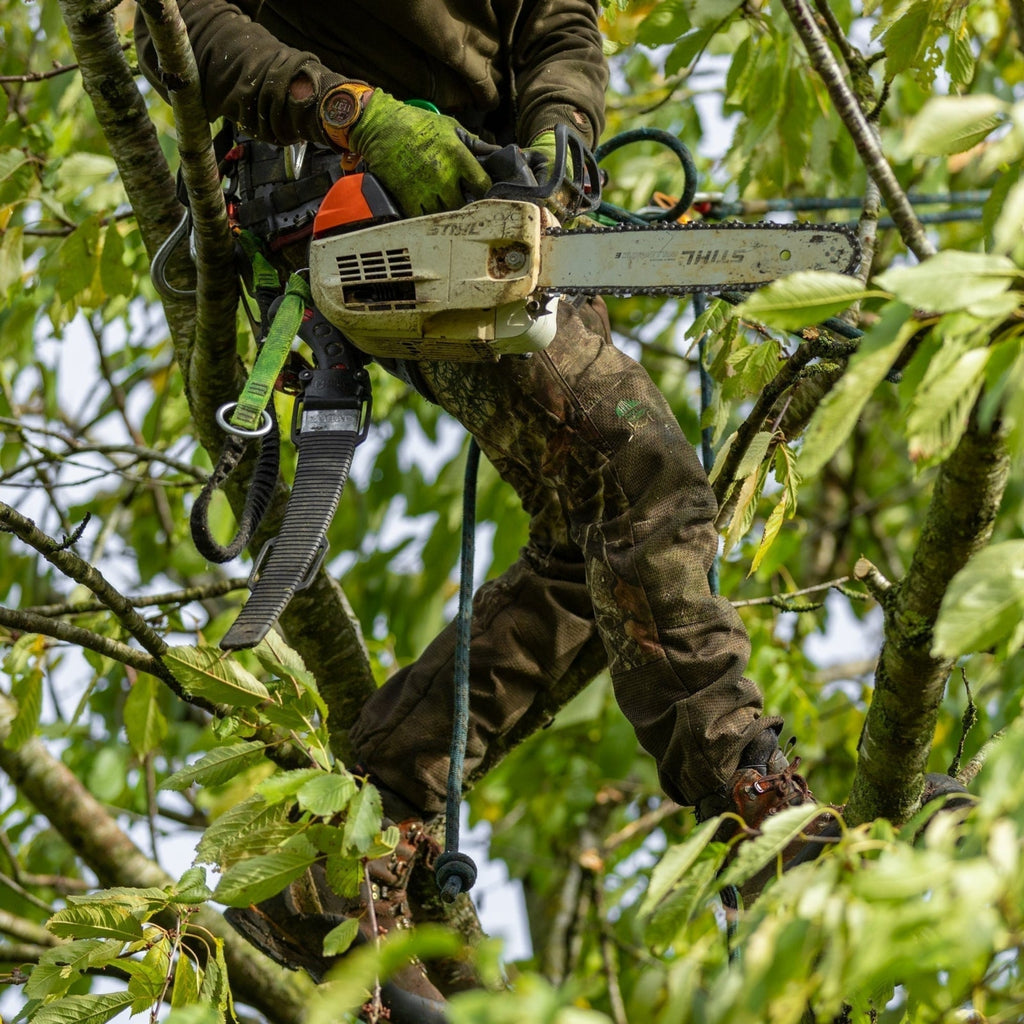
(27, 690)
(60, 967)
(211, 673)
(802, 299)
(952, 124)
(364, 819)
(83, 1009)
(94, 921)
(144, 722)
(214, 990)
(951, 280)
(259, 878)
(904, 37)
(777, 833)
(665, 23)
(984, 603)
(344, 875)
(185, 989)
(284, 785)
(674, 865)
(191, 888)
(248, 828)
(338, 939)
(942, 403)
(218, 765)
(835, 417)
(327, 794)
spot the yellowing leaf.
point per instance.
(209, 672)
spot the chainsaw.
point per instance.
(480, 283)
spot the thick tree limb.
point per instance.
(95, 836)
(211, 367)
(910, 682)
(126, 125)
(861, 132)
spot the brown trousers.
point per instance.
(621, 540)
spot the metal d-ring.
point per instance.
(221, 417)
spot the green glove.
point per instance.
(540, 155)
(423, 159)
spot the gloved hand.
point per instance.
(423, 159)
(541, 155)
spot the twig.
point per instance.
(872, 578)
(200, 592)
(775, 599)
(26, 622)
(970, 771)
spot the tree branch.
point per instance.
(95, 836)
(902, 212)
(900, 724)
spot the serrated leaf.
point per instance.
(674, 864)
(338, 939)
(144, 722)
(327, 794)
(60, 967)
(242, 829)
(904, 36)
(218, 765)
(194, 1014)
(27, 690)
(803, 299)
(209, 672)
(777, 833)
(88, 1009)
(259, 878)
(942, 403)
(835, 417)
(984, 603)
(191, 889)
(284, 785)
(92, 921)
(214, 990)
(364, 819)
(185, 989)
(344, 875)
(952, 124)
(772, 525)
(951, 280)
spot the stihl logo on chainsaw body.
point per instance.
(689, 257)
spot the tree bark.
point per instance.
(900, 724)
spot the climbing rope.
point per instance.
(455, 871)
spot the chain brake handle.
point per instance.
(515, 178)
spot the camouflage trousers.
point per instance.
(621, 540)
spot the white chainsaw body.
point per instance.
(456, 285)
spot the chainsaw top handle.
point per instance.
(573, 175)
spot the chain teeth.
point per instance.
(697, 225)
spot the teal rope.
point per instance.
(456, 872)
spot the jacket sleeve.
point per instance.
(245, 72)
(559, 68)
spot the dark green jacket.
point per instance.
(505, 68)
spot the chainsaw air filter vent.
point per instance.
(378, 280)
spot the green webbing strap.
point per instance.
(255, 396)
(263, 274)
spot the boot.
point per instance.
(763, 784)
(290, 927)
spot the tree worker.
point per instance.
(622, 528)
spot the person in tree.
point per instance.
(622, 528)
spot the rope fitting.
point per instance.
(455, 872)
